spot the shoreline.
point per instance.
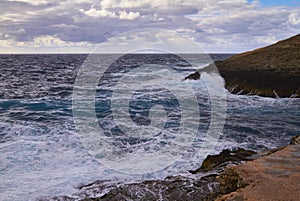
(272, 177)
(230, 175)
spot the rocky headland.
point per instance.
(272, 71)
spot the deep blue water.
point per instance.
(41, 151)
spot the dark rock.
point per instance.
(230, 180)
(193, 76)
(225, 157)
(62, 198)
(206, 186)
(172, 188)
(295, 140)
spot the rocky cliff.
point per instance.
(269, 71)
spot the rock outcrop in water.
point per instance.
(219, 161)
(200, 184)
(272, 71)
(270, 175)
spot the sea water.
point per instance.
(42, 153)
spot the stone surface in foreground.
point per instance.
(271, 178)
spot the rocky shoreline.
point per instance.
(231, 175)
(273, 177)
(272, 71)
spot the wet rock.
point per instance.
(224, 158)
(272, 175)
(193, 76)
(204, 186)
(295, 140)
(172, 188)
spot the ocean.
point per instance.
(44, 152)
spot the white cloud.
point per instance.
(294, 18)
(141, 3)
(123, 15)
(48, 41)
(152, 40)
(35, 2)
(219, 25)
(41, 41)
(43, 44)
(103, 13)
(266, 39)
(99, 13)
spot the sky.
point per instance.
(78, 26)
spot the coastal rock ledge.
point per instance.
(273, 177)
(237, 175)
(272, 71)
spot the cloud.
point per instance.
(123, 15)
(294, 18)
(34, 2)
(48, 41)
(219, 25)
(42, 44)
(103, 13)
(150, 40)
(99, 13)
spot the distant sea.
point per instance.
(42, 155)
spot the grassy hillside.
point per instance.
(266, 71)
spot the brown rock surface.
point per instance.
(275, 177)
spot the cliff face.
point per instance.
(269, 71)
